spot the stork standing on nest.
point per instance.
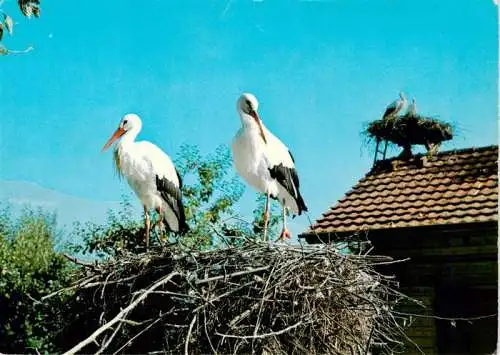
(151, 174)
(266, 163)
(395, 107)
(412, 109)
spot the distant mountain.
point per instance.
(68, 208)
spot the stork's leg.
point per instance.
(428, 146)
(285, 234)
(147, 225)
(266, 217)
(161, 225)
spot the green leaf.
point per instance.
(36, 11)
(27, 10)
(9, 24)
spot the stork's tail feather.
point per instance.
(301, 204)
(183, 228)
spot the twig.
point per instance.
(188, 336)
(79, 262)
(100, 283)
(257, 324)
(131, 306)
(445, 318)
(33, 299)
(4, 51)
(243, 315)
(312, 287)
(260, 336)
(239, 273)
(87, 284)
(106, 344)
(175, 294)
(223, 295)
(369, 341)
(50, 295)
(206, 330)
(139, 334)
(134, 323)
(105, 283)
(389, 262)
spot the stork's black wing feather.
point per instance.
(388, 111)
(288, 178)
(173, 197)
(179, 178)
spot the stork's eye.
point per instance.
(125, 122)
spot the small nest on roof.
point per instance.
(410, 130)
(251, 299)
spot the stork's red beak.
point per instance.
(118, 133)
(256, 117)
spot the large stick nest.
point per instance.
(256, 298)
(410, 130)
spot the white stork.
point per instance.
(412, 109)
(395, 107)
(265, 163)
(151, 174)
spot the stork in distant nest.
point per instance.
(412, 109)
(395, 107)
(151, 174)
(266, 163)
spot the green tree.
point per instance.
(210, 191)
(122, 232)
(29, 270)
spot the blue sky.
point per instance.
(321, 70)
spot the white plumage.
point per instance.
(395, 107)
(412, 109)
(150, 173)
(265, 162)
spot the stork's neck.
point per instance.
(248, 122)
(128, 138)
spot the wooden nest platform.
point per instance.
(255, 298)
(410, 130)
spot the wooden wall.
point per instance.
(453, 271)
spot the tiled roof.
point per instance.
(451, 187)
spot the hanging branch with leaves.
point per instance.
(28, 8)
